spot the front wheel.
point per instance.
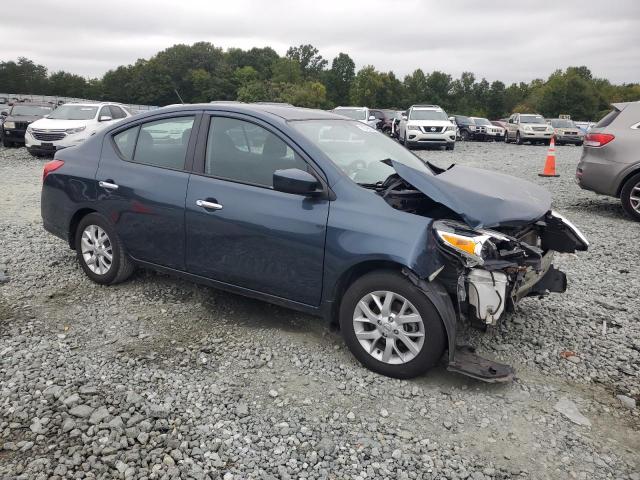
(390, 326)
(518, 139)
(464, 135)
(578, 144)
(630, 197)
(100, 251)
(7, 143)
(506, 137)
(451, 146)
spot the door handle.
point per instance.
(108, 185)
(208, 205)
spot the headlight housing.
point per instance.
(29, 129)
(527, 128)
(413, 127)
(450, 128)
(71, 131)
(9, 125)
(474, 246)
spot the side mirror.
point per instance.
(105, 118)
(372, 117)
(4, 113)
(296, 181)
(452, 119)
(404, 117)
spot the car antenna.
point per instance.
(179, 97)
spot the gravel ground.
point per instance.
(160, 378)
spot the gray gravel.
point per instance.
(159, 378)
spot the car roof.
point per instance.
(282, 111)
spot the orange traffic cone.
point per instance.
(550, 164)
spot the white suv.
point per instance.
(362, 114)
(427, 125)
(70, 124)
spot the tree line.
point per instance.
(202, 72)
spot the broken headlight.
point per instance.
(474, 246)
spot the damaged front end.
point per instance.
(484, 272)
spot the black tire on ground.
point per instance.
(506, 137)
(464, 136)
(451, 146)
(547, 142)
(435, 335)
(560, 143)
(631, 188)
(121, 266)
(7, 143)
(578, 144)
(518, 139)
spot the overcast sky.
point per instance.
(511, 40)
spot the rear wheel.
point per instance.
(630, 197)
(390, 326)
(100, 251)
(578, 144)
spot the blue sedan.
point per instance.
(316, 212)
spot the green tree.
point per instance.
(310, 61)
(340, 78)
(366, 87)
(286, 70)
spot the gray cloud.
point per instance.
(507, 41)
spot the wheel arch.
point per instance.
(634, 171)
(73, 224)
(350, 275)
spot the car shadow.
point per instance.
(602, 206)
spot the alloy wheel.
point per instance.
(634, 197)
(388, 327)
(97, 251)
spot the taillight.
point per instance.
(51, 166)
(597, 139)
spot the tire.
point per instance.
(423, 357)
(464, 136)
(518, 139)
(631, 188)
(450, 146)
(506, 137)
(120, 268)
(579, 144)
(7, 143)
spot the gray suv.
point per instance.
(610, 162)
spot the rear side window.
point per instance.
(247, 153)
(126, 142)
(608, 119)
(162, 143)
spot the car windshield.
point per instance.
(562, 123)
(74, 112)
(30, 110)
(357, 149)
(531, 119)
(427, 115)
(464, 120)
(355, 113)
(481, 121)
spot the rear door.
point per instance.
(143, 177)
(254, 237)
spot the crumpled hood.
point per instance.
(482, 198)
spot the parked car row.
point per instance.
(44, 129)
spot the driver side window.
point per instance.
(244, 152)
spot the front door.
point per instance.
(242, 232)
(142, 184)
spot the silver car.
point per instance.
(610, 162)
